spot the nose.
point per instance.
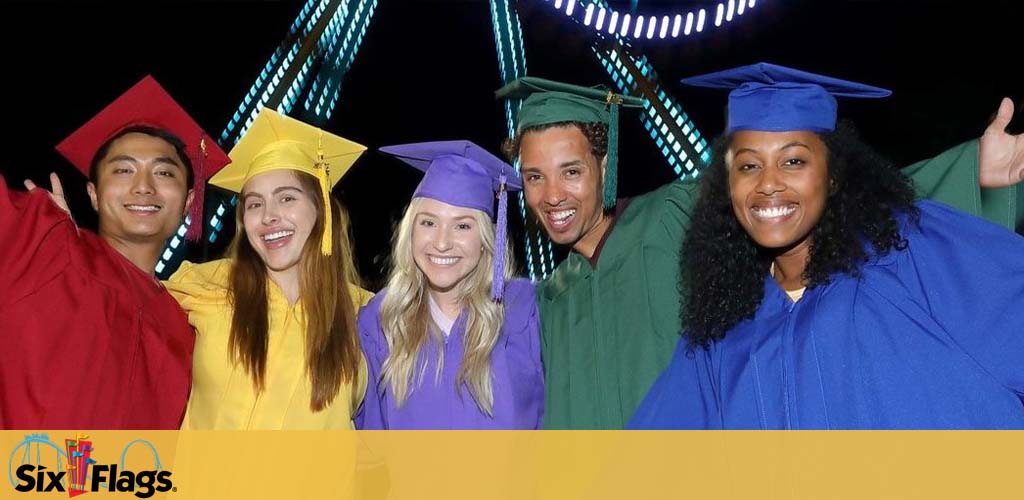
(442, 241)
(142, 183)
(553, 194)
(770, 181)
(270, 214)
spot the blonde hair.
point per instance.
(407, 324)
(331, 340)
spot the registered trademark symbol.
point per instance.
(174, 488)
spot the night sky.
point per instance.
(427, 71)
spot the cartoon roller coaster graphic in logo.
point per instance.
(37, 464)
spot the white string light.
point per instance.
(665, 26)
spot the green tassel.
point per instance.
(611, 176)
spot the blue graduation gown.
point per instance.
(517, 376)
(929, 337)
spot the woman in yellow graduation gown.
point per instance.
(276, 341)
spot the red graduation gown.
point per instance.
(87, 340)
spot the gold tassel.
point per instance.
(323, 171)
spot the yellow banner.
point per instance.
(512, 465)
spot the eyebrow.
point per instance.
(275, 191)
(795, 144)
(783, 148)
(162, 160)
(428, 214)
(571, 163)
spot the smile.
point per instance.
(142, 208)
(443, 261)
(773, 213)
(561, 218)
(277, 235)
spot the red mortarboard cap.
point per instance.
(148, 104)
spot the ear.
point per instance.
(91, 189)
(188, 201)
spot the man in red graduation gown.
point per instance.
(90, 339)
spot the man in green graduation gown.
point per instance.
(610, 311)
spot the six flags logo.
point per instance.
(83, 474)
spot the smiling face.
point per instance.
(279, 215)
(141, 192)
(778, 183)
(563, 184)
(446, 243)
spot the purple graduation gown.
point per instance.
(517, 375)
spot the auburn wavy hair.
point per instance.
(331, 341)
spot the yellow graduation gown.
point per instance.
(223, 396)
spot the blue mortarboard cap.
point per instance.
(463, 174)
(775, 98)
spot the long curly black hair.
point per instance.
(723, 269)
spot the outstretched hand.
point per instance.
(1001, 156)
(57, 193)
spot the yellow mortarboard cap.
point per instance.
(276, 142)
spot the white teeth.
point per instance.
(773, 212)
(562, 215)
(276, 236)
(142, 208)
(444, 261)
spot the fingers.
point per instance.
(58, 190)
(29, 185)
(1003, 117)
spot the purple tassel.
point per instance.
(498, 283)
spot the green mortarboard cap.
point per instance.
(546, 102)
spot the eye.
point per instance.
(122, 170)
(464, 226)
(746, 167)
(286, 198)
(253, 204)
(427, 223)
(532, 177)
(166, 173)
(572, 172)
(793, 162)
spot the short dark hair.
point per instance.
(159, 133)
(595, 132)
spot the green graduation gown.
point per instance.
(952, 178)
(608, 330)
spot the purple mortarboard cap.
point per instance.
(463, 174)
(773, 98)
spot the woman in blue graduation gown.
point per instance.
(822, 296)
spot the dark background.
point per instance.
(427, 69)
